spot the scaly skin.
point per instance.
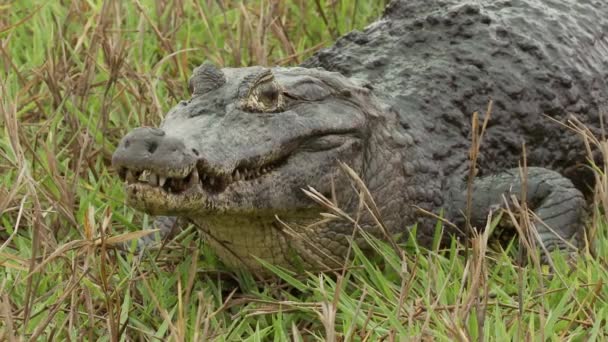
(394, 103)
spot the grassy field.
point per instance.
(77, 75)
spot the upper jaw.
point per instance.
(195, 176)
(174, 181)
(213, 178)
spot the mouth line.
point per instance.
(190, 176)
(213, 180)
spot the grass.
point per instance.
(76, 76)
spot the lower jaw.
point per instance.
(156, 201)
(240, 238)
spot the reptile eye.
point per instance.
(266, 97)
(268, 93)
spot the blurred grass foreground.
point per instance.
(77, 75)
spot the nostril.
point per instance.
(152, 146)
(127, 143)
(195, 151)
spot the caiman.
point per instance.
(393, 102)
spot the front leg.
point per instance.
(557, 204)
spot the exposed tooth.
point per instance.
(162, 180)
(144, 176)
(204, 177)
(130, 177)
(153, 179)
(194, 179)
(237, 175)
(211, 181)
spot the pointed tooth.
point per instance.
(237, 175)
(144, 176)
(194, 179)
(212, 181)
(153, 179)
(162, 180)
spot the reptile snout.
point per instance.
(147, 148)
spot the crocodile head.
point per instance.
(246, 144)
